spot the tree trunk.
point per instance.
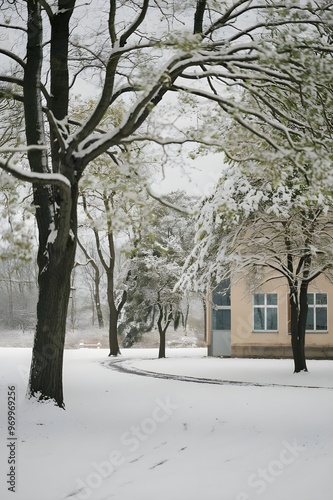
(97, 281)
(162, 330)
(114, 315)
(47, 360)
(113, 331)
(114, 312)
(10, 302)
(99, 312)
(299, 310)
(56, 256)
(303, 314)
(97, 299)
(161, 351)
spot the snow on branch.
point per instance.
(167, 203)
(33, 177)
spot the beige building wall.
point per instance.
(245, 342)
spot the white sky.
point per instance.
(198, 178)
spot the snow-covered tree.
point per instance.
(271, 217)
(152, 292)
(115, 210)
(16, 222)
(156, 267)
(18, 239)
(143, 52)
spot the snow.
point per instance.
(25, 175)
(53, 234)
(126, 436)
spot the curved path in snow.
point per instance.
(118, 365)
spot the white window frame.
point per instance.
(314, 306)
(266, 306)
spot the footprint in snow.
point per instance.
(158, 464)
(136, 459)
(159, 446)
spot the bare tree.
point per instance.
(108, 264)
(96, 279)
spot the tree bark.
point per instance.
(97, 299)
(114, 312)
(303, 313)
(56, 219)
(162, 330)
(198, 16)
(161, 351)
(109, 268)
(54, 291)
(299, 310)
(113, 329)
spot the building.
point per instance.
(244, 324)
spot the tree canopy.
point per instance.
(267, 220)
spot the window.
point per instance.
(265, 312)
(221, 294)
(317, 312)
(221, 319)
(221, 307)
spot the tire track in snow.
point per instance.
(118, 365)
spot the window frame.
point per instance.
(224, 290)
(314, 306)
(265, 306)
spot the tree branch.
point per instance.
(13, 56)
(97, 239)
(166, 203)
(198, 16)
(33, 177)
(124, 37)
(112, 18)
(47, 9)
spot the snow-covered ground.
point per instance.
(129, 437)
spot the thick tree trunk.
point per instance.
(113, 332)
(113, 308)
(296, 348)
(161, 351)
(114, 315)
(303, 313)
(55, 264)
(55, 208)
(47, 359)
(299, 312)
(113, 322)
